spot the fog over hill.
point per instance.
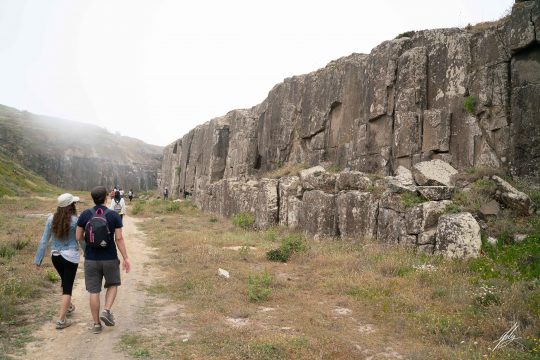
(75, 155)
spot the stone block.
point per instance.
(433, 173)
(458, 236)
(319, 213)
(357, 214)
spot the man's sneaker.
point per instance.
(96, 329)
(70, 310)
(107, 317)
(63, 324)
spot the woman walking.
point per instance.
(60, 229)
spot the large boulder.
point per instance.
(433, 173)
(458, 236)
(357, 214)
(512, 197)
(319, 213)
(317, 179)
(353, 180)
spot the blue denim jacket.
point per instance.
(70, 243)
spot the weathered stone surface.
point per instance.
(290, 205)
(522, 33)
(357, 214)
(458, 236)
(512, 197)
(436, 135)
(402, 182)
(319, 213)
(320, 180)
(352, 180)
(424, 216)
(390, 226)
(267, 208)
(436, 193)
(391, 200)
(491, 208)
(427, 237)
(434, 173)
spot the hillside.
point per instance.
(75, 155)
(15, 180)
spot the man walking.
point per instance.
(101, 229)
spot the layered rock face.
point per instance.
(467, 97)
(401, 104)
(77, 156)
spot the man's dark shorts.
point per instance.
(96, 270)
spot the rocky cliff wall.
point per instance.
(432, 101)
(77, 156)
(401, 104)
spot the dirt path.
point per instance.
(77, 342)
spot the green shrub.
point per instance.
(244, 252)
(411, 199)
(258, 288)
(333, 169)
(289, 245)
(213, 219)
(470, 104)
(243, 220)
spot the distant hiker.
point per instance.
(118, 204)
(121, 192)
(165, 194)
(60, 229)
(130, 195)
(101, 230)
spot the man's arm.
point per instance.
(121, 245)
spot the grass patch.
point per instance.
(510, 261)
(243, 220)
(134, 345)
(258, 287)
(410, 199)
(405, 34)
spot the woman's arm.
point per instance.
(40, 253)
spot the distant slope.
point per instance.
(75, 155)
(15, 180)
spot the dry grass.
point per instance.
(337, 300)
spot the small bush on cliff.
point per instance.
(470, 104)
(243, 220)
(405, 34)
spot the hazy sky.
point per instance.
(154, 69)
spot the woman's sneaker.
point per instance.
(97, 328)
(107, 317)
(63, 324)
